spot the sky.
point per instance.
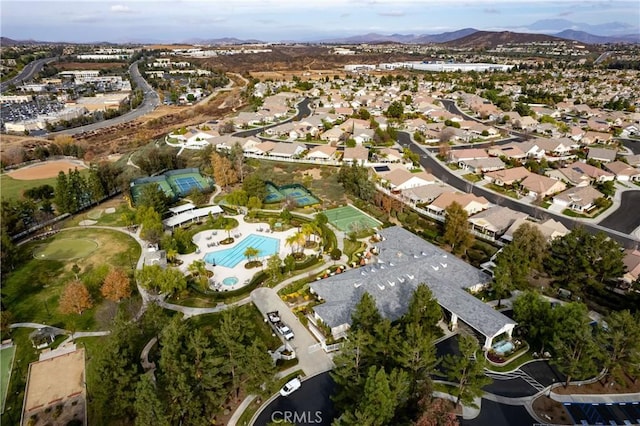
(301, 20)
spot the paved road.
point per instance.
(443, 173)
(496, 414)
(632, 144)
(27, 73)
(303, 111)
(309, 405)
(627, 217)
(151, 102)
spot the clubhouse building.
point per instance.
(402, 261)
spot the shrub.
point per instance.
(336, 254)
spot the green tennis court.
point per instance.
(349, 218)
(6, 363)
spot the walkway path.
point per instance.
(38, 326)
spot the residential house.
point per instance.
(524, 123)
(390, 155)
(363, 135)
(555, 147)
(287, 149)
(623, 171)
(400, 179)
(357, 155)
(592, 137)
(226, 142)
(495, 221)
(580, 174)
(322, 152)
(631, 260)
(551, 229)
(510, 151)
(542, 186)
(482, 165)
(633, 160)
(264, 148)
(425, 194)
(507, 176)
(457, 155)
(472, 204)
(580, 199)
(602, 154)
(598, 124)
(332, 135)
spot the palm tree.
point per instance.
(251, 253)
(291, 240)
(309, 229)
(199, 273)
(172, 254)
(300, 240)
(228, 227)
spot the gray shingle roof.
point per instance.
(404, 261)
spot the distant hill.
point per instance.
(490, 39)
(402, 38)
(584, 37)
(552, 26)
(221, 41)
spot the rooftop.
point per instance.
(404, 261)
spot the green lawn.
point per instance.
(472, 177)
(502, 190)
(6, 361)
(31, 292)
(11, 188)
(65, 249)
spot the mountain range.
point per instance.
(612, 32)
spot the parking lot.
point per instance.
(41, 105)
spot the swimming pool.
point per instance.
(232, 256)
(503, 347)
(229, 281)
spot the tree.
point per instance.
(152, 228)
(168, 281)
(116, 285)
(621, 339)
(436, 412)
(456, 229)
(574, 345)
(75, 298)
(198, 271)
(152, 196)
(467, 370)
(365, 316)
(148, 407)
(251, 253)
(378, 404)
(395, 110)
(423, 309)
(62, 197)
(273, 267)
(579, 260)
(536, 320)
(223, 171)
(418, 355)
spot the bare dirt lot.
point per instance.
(66, 66)
(45, 170)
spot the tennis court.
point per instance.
(186, 184)
(348, 218)
(230, 257)
(301, 195)
(6, 363)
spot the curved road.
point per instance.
(303, 111)
(309, 405)
(624, 219)
(27, 73)
(442, 172)
(150, 102)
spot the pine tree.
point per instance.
(62, 195)
(467, 370)
(148, 407)
(365, 315)
(456, 229)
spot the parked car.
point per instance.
(284, 330)
(274, 317)
(290, 387)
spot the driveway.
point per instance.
(311, 362)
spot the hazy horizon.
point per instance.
(278, 20)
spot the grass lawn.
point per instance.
(6, 361)
(24, 354)
(472, 177)
(98, 214)
(31, 292)
(502, 190)
(65, 249)
(13, 188)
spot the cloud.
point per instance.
(121, 8)
(491, 11)
(392, 13)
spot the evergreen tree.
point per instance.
(621, 340)
(62, 195)
(456, 229)
(467, 370)
(365, 315)
(535, 319)
(423, 309)
(148, 407)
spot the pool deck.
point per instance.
(239, 271)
